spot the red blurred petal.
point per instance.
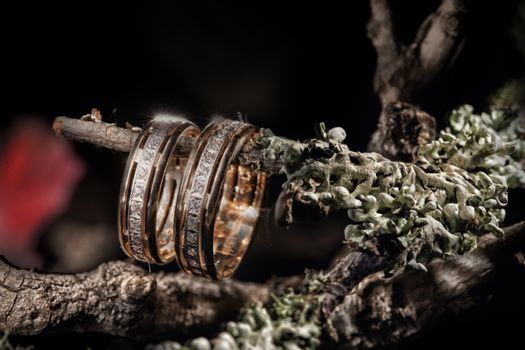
(38, 173)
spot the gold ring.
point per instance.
(219, 202)
(149, 189)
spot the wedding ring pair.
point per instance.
(199, 209)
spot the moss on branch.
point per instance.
(413, 212)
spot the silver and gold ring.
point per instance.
(149, 190)
(219, 202)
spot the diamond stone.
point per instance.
(193, 223)
(196, 196)
(191, 238)
(209, 157)
(194, 207)
(138, 188)
(134, 221)
(147, 155)
(155, 140)
(225, 130)
(201, 174)
(137, 248)
(198, 187)
(134, 216)
(213, 147)
(141, 172)
(134, 229)
(135, 205)
(192, 252)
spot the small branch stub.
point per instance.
(402, 127)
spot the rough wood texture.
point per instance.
(97, 133)
(361, 307)
(402, 69)
(120, 139)
(384, 311)
(118, 298)
(401, 128)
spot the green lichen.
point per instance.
(434, 207)
(292, 322)
(490, 142)
(289, 322)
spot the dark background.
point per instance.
(286, 66)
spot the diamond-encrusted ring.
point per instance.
(219, 202)
(149, 190)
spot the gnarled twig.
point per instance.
(361, 309)
(402, 69)
(121, 139)
(385, 311)
(119, 298)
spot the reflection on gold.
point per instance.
(237, 216)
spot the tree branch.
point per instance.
(361, 308)
(121, 299)
(438, 40)
(401, 70)
(120, 139)
(381, 29)
(384, 311)
(381, 32)
(97, 133)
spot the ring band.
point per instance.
(149, 189)
(219, 202)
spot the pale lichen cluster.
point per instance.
(290, 322)
(433, 207)
(489, 142)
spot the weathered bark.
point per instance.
(119, 298)
(402, 69)
(361, 307)
(120, 139)
(401, 128)
(346, 274)
(97, 133)
(384, 311)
